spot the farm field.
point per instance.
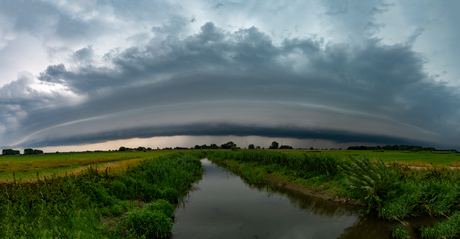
(29, 167)
(438, 158)
(32, 166)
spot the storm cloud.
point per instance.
(179, 78)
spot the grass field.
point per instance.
(32, 166)
(438, 158)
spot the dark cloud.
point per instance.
(354, 82)
(177, 79)
(224, 130)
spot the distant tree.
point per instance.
(122, 148)
(274, 145)
(258, 147)
(311, 148)
(395, 147)
(10, 152)
(140, 148)
(197, 146)
(149, 148)
(234, 148)
(285, 147)
(251, 146)
(28, 151)
(228, 145)
(387, 147)
(214, 146)
(378, 147)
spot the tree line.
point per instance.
(17, 152)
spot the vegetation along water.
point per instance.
(96, 204)
(392, 191)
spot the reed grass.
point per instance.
(75, 206)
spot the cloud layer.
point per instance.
(347, 83)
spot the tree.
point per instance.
(122, 148)
(274, 145)
(10, 152)
(251, 146)
(228, 145)
(214, 146)
(197, 146)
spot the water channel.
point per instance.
(222, 205)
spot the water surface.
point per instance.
(224, 206)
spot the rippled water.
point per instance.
(224, 206)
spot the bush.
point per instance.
(118, 189)
(151, 224)
(161, 205)
(117, 210)
(400, 233)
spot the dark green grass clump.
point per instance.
(73, 206)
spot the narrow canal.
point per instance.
(224, 206)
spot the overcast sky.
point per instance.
(94, 72)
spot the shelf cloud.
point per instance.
(345, 73)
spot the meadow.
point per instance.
(32, 167)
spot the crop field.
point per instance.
(31, 167)
(438, 158)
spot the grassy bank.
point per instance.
(395, 192)
(137, 203)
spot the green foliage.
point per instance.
(161, 205)
(151, 224)
(368, 181)
(72, 206)
(400, 233)
(445, 229)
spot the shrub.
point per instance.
(161, 205)
(151, 224)
(118, 189)
(400, 233)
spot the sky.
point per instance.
(99, 74)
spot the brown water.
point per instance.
(224, 206)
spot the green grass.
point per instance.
(134, 203)
(33, 166)
(409, 157)
(393, 191)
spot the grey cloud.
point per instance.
(369, 91)
(84, 55)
